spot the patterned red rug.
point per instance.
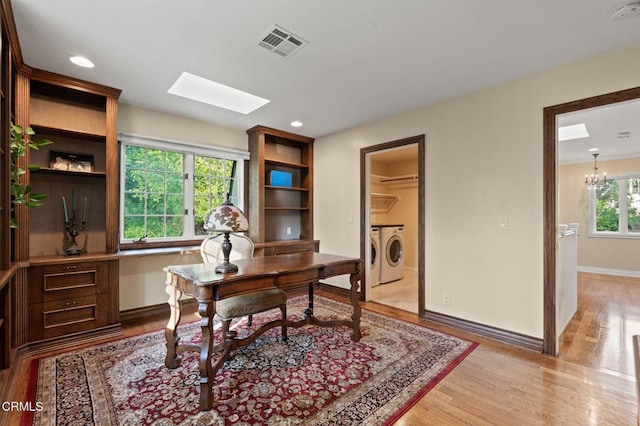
(318, 377)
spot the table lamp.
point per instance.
(226, 218)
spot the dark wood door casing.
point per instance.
(550, 192)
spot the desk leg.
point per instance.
(207, 311)
(309, 311)
(171, 331)
(355, 281)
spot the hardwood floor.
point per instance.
(601, 333)
(499, 384)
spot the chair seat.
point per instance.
(251, 303)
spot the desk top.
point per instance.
(204, 273)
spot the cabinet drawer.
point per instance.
(56, 282)
(60, 317)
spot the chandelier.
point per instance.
(592, 180)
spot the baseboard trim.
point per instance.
(71, 341)
(493, 333)
(161, 309)
(607, 271)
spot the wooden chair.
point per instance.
(245, 304)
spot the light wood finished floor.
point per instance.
(600, 335)
(499, 384)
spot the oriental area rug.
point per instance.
(318, 377)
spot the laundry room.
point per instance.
(393, 270)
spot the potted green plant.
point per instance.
(21, 192)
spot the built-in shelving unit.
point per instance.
(382, 203)
(62, 294)
(280, 215)
(7, 270)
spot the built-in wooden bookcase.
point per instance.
(280, 213)
(76, 123)
(67, 294)
(6, 269)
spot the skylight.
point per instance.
(200, 89)
(575, 131)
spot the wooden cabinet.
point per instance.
(70, 296)
(280, 191)
(63, 294)
(79, 166)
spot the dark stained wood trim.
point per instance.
(71, 341)
(12, 32)
(280, 134)
(72, 83)
(422, 195)
(550, 192)
(189, 306)
(493, 333)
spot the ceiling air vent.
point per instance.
(281, 41)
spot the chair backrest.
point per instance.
(211, 248)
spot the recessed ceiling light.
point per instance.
(576, 131)
(200, 89)
(296, 123)
(594, 149)
(81, 61)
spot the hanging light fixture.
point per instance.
(592, 180)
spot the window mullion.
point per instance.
(623, 220)
(189, 202)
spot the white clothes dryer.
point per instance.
(392, 262)
(374, 267)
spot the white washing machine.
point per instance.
(392, 259)
(374, 268)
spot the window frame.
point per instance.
(623, 217)
(189, 150)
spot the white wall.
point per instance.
(142, 281)
(483, 161)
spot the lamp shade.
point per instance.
(226, 218)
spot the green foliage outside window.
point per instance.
(607, 209)
(154, 191)
(608, 205)
(213, 179)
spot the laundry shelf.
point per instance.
(382, 203)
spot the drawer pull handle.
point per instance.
(70, 268)
(71, 303)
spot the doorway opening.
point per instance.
(550, 190)
(392, 233)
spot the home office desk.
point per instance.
(258, 273)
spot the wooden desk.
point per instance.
(259, 273)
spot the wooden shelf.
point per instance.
(49, 170)
(286, 188)
(67, 132)
(286, 208)
(286, 164)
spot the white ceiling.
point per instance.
(366, 59)
(603, 125)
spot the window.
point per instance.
(615, 207)
(167, 189)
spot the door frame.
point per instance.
(550, 194)
(365, 209)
